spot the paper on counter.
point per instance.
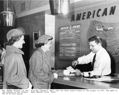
(103, 78)
(69, 71)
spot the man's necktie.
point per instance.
(93, 60)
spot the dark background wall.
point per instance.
(1, 9)
(31, 23)
(3, 29)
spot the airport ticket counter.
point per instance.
(79, 82)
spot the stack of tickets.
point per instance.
(69, 71)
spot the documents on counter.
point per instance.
(103, 78)
(69, 71)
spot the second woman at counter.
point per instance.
(40, 73)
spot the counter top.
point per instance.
(107, 82)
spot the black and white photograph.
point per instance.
(59, 47)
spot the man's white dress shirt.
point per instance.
(102, 64)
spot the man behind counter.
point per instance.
(99, 58)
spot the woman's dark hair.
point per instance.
(1, 48)
(50, 39)
(13, 40)
(41, 44)
(96, 39)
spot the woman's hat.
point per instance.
(44, 39)
(14, 32)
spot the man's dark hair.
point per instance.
(96, 39)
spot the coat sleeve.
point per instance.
(40, 72)
(13, 75)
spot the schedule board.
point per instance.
(69, 42)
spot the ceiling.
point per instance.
(82, 3)
(32, 4)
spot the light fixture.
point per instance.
(7, 16)
(59, 7)
(64, 7)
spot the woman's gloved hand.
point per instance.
(30, 86)
(55, 75)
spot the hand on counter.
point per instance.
(55, 75)
(74, 63)
(30, 86)
(78, 72)
(88, 75)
